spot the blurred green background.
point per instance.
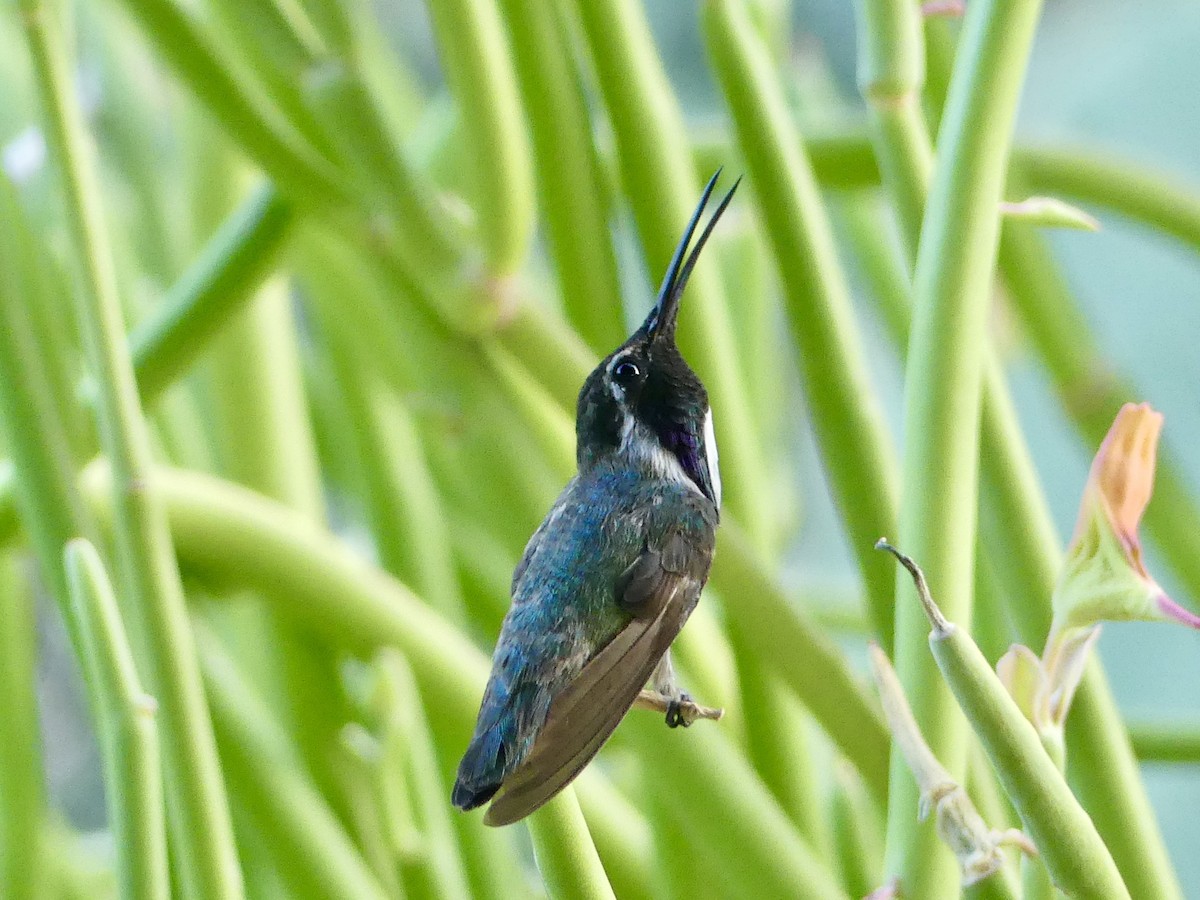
(1105, 75)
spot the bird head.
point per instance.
(644, 402)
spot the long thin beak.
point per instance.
(662, 319)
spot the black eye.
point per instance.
(626, 372)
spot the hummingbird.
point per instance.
(607, 581)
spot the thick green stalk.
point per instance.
(260, 415)
(752, 837)
(855, 447)
(322, 861)
(952, 287)
(624, 839)
(891, 73)
(1065, 836)
(201, 830)
(398, 489)
(435, 870)
(565, 856)
(659, 182)
(35, 434)
(1016, 523)
(857, 833)
(802, 655)
(571, 194)
(1140, 194)
(217, 283)
(423, 233)
(127, 728)
(22, 792)
(273, 143)
(478, 66)
(1166, 742)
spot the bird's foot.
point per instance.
(680, 710)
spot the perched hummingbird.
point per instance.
(608, 579)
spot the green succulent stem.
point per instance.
(23, 808)
(479, 70)
(846, 414)
(200, 827)
(128, 732)
(564, 852)
(222, 277)
(293, 817)
(952, 287)
(1066, 838)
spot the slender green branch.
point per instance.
(623, 837)
(562, 847)
(201, 829)
(420, 225)
(478, 67)
(772, 859)
(571, 194)
(217, 283)
(42, 474)
(1064, 834)
(1166, 742)
(660, 185)
(846, 415)
(22, 794)
(433, 868)
(294, 818)
(952, 287)
(188, 49)
(803, 656)
(891, 73)
(127, 730)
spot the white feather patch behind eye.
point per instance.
(710, 456)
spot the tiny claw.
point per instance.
(675, 712)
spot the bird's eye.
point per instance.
(626, 372)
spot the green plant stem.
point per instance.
(260, 415)
(237, 537)
(201, 830)
(752, 837)
(1168, 743)
(35, 433)
(1015, 520)
(658, 179)
(127, 728)
(434, 869)
(420, 226)
(857, 833)
(571, 194)
(22, 794)
(1140, 194)
(564, 852)
(1065, 836)
(624, 839)
(294, 819)
(849, 424)
(952, 286)
(478, 66)
(275, 145)
(218, 282)
(891, 74)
